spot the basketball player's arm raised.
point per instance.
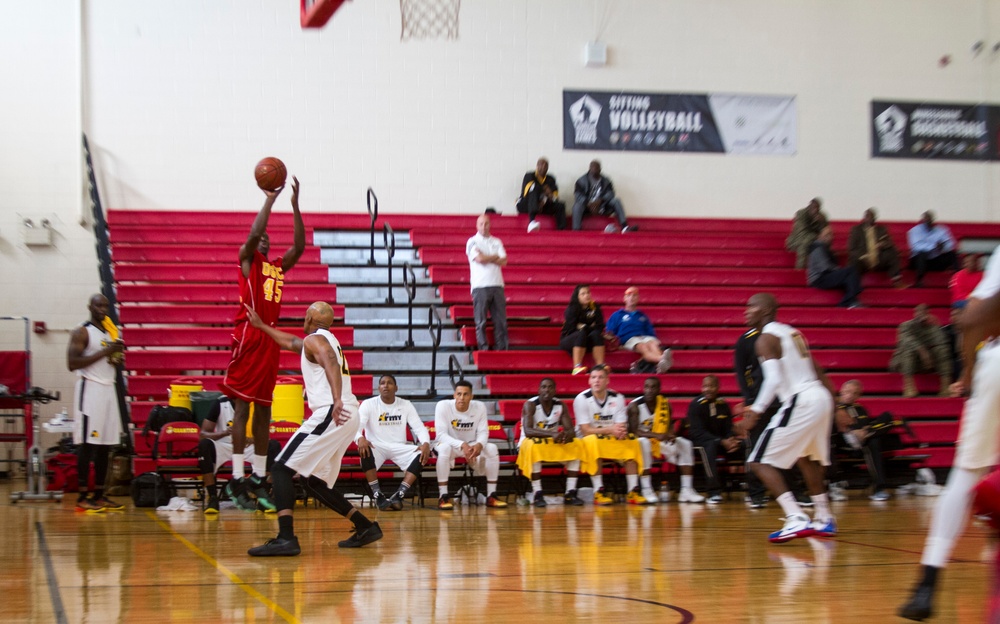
(78, 341)
(299, 237)
(286, 341)
(257, 231)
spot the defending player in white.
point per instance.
(384, 419)
(800, 431)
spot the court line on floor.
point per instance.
(50, 575)
(236, 580)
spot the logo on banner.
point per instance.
(585, 113)
(890, 125)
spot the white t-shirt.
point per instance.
(453, 427)
(489, 274)
(990, 283)
(588, 410)
(385, 424)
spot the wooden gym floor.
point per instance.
(668, 563)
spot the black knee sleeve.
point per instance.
(101, 454)
(83, 458)
(206, 456)
(273, 448)
(368, 462)
(328, 496)
(283, 488)
(415, 466)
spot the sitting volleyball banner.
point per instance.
(678, 122)
(935, 130)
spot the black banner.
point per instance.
(935, 130)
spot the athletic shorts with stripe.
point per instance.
(318, 447)
(801, 428)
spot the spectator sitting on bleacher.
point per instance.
(595, 195)
(808, 223)
(382, 436)
(602, 424)
(823, 271)
(583, 329)
(540, 195)
(216, 448)
(710, 422)
(650, 420)
(870, 248)
(855, 432)
(965, 280)
(932, 247)
(462, 430)
(635, 332)
(547, 436)
(921, 346)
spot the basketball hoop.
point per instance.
(429, 19)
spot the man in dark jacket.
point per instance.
(595, 195)
(823, 272)
(870, 248)
(540, 195)
(711, 422)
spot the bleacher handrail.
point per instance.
(410, 285)
(389, 240)
(454, 366)
(434, 326)
(372, 201)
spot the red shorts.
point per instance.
(254, 368)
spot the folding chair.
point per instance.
(175, 454)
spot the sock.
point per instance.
(822, 503)
(950, 515)
(259, 463)
(597, 481)
(403, 488)
(930, 576)
(237, 465)
(285, 530)
(536, 485)
(360, 521)
(213, 490)
(442, 490)
(491, 488)
(376, 489)
(687, 482)
(571, 483)
(789, 505)
(631, 481)
(647, 482)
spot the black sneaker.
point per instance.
(381, 501)
(918, 607)
(257, 488)
(571, 499)
(360, 538)
(212, 508)
(396, 502)
(277, 547)
(539, 500)
(758, 501)
(237, 492)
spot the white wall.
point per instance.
(182, 97)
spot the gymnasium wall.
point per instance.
(180, 98)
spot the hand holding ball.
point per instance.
(270, 173)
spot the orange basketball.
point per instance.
(270, 173)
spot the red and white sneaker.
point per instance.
(796, 525)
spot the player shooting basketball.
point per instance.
(253, 369)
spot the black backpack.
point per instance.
(150, 489)
(163, 414)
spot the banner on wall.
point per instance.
(677, 122)
(934, 130)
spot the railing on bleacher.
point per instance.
(389, 240)
(434, 326)
(373, 214)
(410, 284)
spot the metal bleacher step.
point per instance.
(381, 314)
(360, 257)
(413, 360)
(358, 239)
(348, 295)
(374, 275)
(396, 338)
(411, 386)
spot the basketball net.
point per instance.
(429, 19)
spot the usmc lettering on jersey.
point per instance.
(389, 419)
(462, 425)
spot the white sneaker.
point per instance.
(650, 496)
(666, 361)
(837, 494)
(611, 229)
(534, 226)
(797, 525)
(688, 495)
(664, 496)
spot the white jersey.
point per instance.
(990, 282)
(384, 424)
(453, 427)
(797, 370)
(318, 389)
(226, 416)
(541, 420)
(101, 371)
(588, 410)
(650, 422)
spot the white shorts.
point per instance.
(95, 409)
(402, 455)
(634, 340)
(488, 462)
(680, 452)
(801, 428)
(978, 445)
(319, 445)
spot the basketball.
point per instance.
(270, 173)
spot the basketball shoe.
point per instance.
(571, 499)
(89, 505)
(539, 499)
(109, 505)
(601, 499)
(257, 488)
(277, 547)
(633, 498)
(493, 501)
(361, 538)
(824, 528)
(796, 525)
(237, 492)
(381, 501)
(396, 502)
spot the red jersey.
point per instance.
(262, 289)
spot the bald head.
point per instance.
(318, 316)
(761, 310)
(98, 307)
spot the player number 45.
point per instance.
(272, 289)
